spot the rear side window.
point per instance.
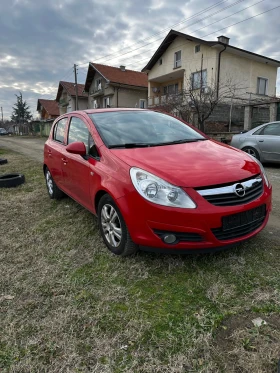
(272, 129)
(59, 130)
(259, 131)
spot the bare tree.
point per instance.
(199, 99)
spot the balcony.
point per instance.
(163, 99)
(96, 92)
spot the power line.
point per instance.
(144, 45)
(164, 30)
(246, 19)
(250, 6)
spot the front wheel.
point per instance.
(252, 151)
(113, 228)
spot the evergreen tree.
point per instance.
(21, 112)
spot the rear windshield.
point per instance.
(141, 127)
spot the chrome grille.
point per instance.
(234, 194)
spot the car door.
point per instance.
(77, 172)
(55, 150)
(269, 142)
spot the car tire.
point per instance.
(3, 161)
(11, 180)
(252, 151)
(53, 190)
(113, 228)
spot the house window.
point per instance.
(142, 104)
(177, 59)
(98, 84)
(199, 79)
(170, 89)
(160, 61)
(262, 86)
(106, 102)
(197, 48)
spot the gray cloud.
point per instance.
(40, 41)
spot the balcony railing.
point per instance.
(97, 92)
(163, 99)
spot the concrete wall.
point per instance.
(244, 73)
(260, 115)
(130, 98)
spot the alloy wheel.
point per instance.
(251, 152)
(111, 225)
(49, 182)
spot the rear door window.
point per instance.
(272, 129)
(59, 130)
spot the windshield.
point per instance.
(141, 128)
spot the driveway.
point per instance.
(33, 148)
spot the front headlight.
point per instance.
(262, 169)
(158, 191)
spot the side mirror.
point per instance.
(76, 147)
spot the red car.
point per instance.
(155, 182)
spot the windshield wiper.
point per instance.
(130, 145)
(147, 145)
(182, 141)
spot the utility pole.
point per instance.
(76, 87)
(2, 114)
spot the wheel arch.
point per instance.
(97, 198)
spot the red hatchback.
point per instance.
(155, 182)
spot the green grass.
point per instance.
(78, 308)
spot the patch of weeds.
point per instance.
(6, 356)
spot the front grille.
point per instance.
(181, 236)
(227, 195)
(238, 231)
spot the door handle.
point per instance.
(64, 160)
(261, 140)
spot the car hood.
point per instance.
(196, 164)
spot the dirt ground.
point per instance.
(31, 147)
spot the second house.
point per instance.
(109, 86)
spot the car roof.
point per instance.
(105, 110)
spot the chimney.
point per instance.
(223, 39)
(122, 67)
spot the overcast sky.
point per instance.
(41, 40)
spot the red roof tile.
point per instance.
(50, 106)
(70, 88)
(116, 75)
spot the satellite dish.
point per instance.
(155, 89)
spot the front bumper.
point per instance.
(144, 220)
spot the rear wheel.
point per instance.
(53, 190)
(113, 228)
(251, 151)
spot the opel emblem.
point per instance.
(239, 190)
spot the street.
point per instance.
(33, 148)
